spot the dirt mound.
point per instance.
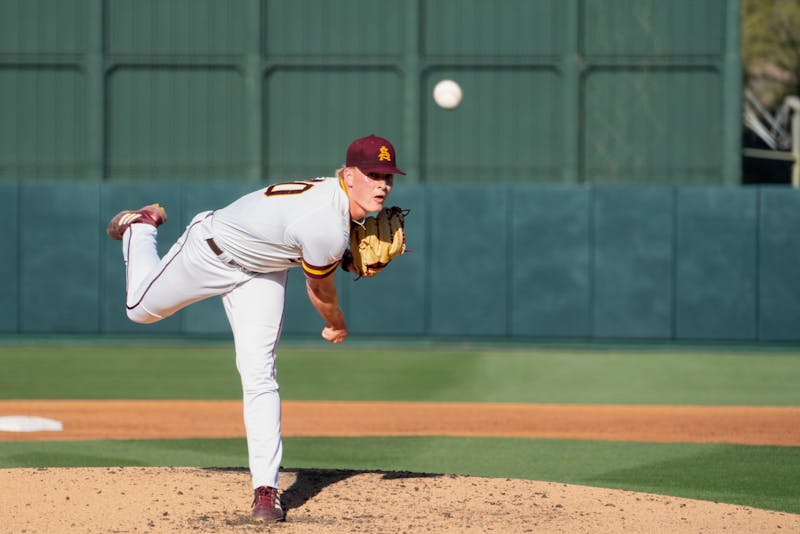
(170, 500)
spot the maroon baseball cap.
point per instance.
(372, 154)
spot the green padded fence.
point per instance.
(509, 261)
(599, 92)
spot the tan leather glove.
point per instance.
(377, 241)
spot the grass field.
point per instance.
(761, 476)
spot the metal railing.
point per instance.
(780, 132)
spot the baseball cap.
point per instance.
(372, 154)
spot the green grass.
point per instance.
(647, 375)
(763, 477)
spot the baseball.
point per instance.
(447, 94)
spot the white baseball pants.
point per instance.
(254, 303)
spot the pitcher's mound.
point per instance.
(152, 499)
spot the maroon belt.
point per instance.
(218, 251)
(214, 247)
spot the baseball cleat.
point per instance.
(153, 215)
(267, 505)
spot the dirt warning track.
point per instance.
(150, 419)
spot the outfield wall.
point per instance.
(598, 117)
(510, 261)
(593, 92)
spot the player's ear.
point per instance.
(348, 176)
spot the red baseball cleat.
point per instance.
(153, 215)
(267, 505)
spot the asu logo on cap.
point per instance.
(372, 154)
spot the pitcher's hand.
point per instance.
(334, 335)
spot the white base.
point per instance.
(26, 423)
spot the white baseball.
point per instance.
(447, 94)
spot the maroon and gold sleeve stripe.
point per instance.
(312, 271)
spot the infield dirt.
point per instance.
(151, 499)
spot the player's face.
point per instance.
(368, 192)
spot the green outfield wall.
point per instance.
(586, 188)
(589, 92)
(520, 261)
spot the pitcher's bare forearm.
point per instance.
(322, 294)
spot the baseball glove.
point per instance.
(376, 241)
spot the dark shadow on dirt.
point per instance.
(310, 482)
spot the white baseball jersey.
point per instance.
(304, 223)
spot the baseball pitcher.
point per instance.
(242, 252)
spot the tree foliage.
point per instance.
(771, 48)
